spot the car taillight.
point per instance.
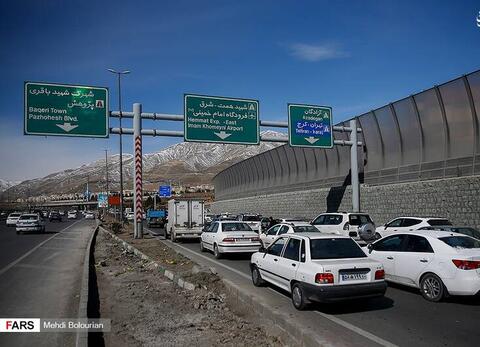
(380, 274)
(228, 239)
(254, 239)
(324, 278)
(346, 226)
(466, 264)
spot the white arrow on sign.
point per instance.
(311, 139)
(222, 134)
(66, 126)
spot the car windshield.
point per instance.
(252, 218)
(335, 249)
(235, 227)
(435, 222)
(28, 217)
(460, 242)
(359, 219)
(305, 229)
(15, 215)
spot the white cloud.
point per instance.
(313, 53)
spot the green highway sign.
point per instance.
(310, 126)
(65, 110)
(219, 119)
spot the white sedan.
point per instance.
(437, 262)
(12, 219)
(316, 267)
(30, 222)
(229, 237)
(285, 228)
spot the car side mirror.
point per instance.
(262, 249)
(370, 247)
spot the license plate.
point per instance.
(353, 277)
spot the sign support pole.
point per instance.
(137, 175)
(354, 167)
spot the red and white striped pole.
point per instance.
(137, 171)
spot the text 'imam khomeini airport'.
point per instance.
(420, 155)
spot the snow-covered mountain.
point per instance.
(188, 163)
(4, 184)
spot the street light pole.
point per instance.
(119, 73)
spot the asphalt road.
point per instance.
(40, 277)
(12, 245)
(402, 317)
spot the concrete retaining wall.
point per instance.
(455, 198)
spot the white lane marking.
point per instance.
(349, 326)
(13, 263)
(358, 330)
(332, 318)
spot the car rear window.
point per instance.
(335, 249)
(467, 231)
(29, 217)
(252, 218)
(359, 219)
(236, 227)
(460, 242)
(305, 229)
(15, 214)
(438, 222)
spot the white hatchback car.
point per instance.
(404, 224)
(437, 262)
(316, 267)
(229, 237)
(271, 234)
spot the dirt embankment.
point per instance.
(146, 309)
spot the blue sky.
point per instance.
(351, 55)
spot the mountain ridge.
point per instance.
(184, 163)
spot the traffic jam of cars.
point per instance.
(342, 256)
(35, 221)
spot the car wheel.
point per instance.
(257, 277)
(432, 287)
(174, 237)
(216, 252)
(298, 297)
(202, 249)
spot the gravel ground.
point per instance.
(146, 309)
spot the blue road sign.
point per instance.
(165, 191)
(102, 200)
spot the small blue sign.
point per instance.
(165, 191)
(102, 200)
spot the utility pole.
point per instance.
(354, 166)
(119, 74)
(106, 172)
(106, 182)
